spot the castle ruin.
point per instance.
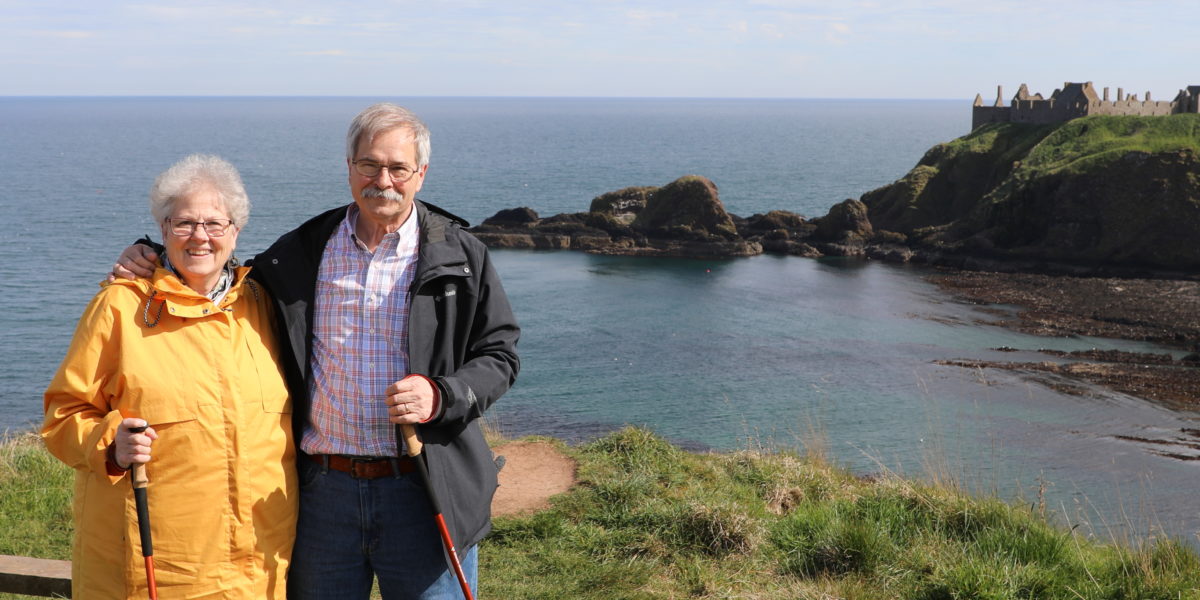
(1076, 100)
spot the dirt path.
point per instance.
(532, 473)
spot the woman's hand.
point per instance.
(130, 447)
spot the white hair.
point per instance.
(383, 117)
(195, 170)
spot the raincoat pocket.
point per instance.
(163, 413)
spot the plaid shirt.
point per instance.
(360, 339)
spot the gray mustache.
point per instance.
(374, 192)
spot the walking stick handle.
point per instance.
(137, 474)
(412, 442)
(137, 471)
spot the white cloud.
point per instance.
(175, 13)
(642, 16)
(770, 30)
(837, 33)
(205, 12)
(798, 61)
(309, 21)
(65, 34)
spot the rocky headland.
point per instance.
(1094, 196)
(1081, 223)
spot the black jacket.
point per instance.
(461, 334)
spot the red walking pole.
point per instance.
(137, 473)
(413, 443)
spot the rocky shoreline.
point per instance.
(686, 218)
(1163, 311)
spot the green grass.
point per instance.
(649, 520)
(1090, 143)
(1002, 143)
(35, 501)
(1075, 146)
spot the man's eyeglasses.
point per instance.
(370, 169)
(185, 227)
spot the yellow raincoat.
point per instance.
(223, 490)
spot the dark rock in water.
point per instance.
(525, 241)
(779, 232)
(844, 231)
(776, 220)
(790, 247)
(624, 204)
(846, 223)
(687, 208)
(513, 216)
(895, 253)
(683, 218)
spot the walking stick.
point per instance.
(413, 443)
(137, 473)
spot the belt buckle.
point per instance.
(365, 463)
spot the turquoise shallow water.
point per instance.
(833, 354)
(710, 354)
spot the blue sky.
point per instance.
(698, 48)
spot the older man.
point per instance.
(390, 314)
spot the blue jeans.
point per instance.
(352, 529)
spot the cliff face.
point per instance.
(1099, 191)
(949, 181)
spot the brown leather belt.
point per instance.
(365, 468)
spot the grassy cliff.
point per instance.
(1098, 191)
(649, 520)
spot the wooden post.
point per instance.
(35, 576)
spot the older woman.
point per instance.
(189, 352)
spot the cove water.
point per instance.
(775, 351)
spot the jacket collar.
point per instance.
(439, 232)
(291, 264)
(437, 254)
(181, 300)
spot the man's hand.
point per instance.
(136, 261)
(133, 447)
(410, 400)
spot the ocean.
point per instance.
(780, 352)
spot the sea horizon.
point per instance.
(483, 97)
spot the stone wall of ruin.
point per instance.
(1054, 110)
